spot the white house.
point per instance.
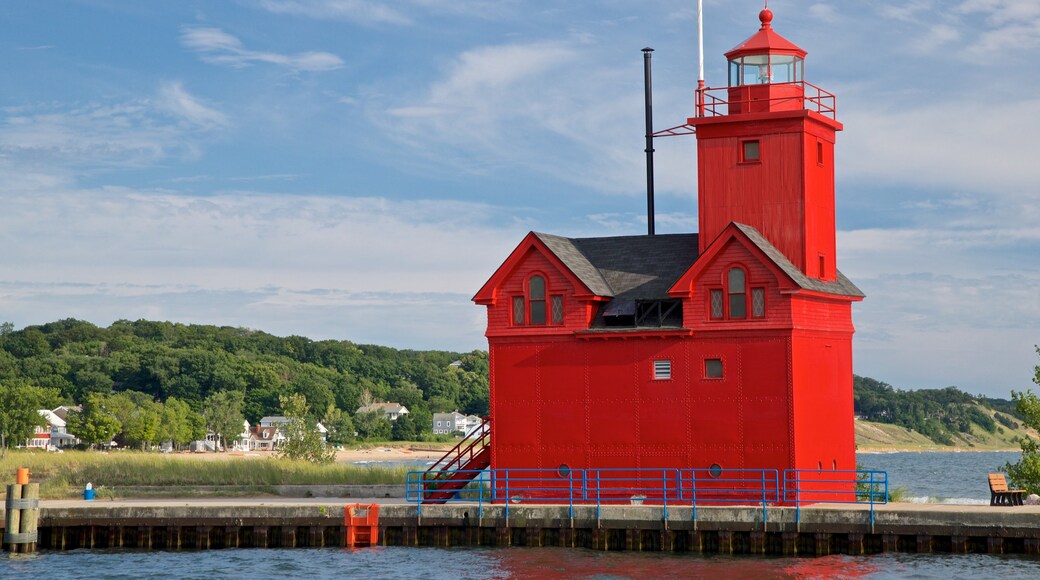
(454, 422)
(389, 410)
(51, 436)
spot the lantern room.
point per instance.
(766, 72)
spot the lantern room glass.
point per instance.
(762, 69)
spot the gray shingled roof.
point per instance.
(645, 267)
(628, 267)
(841, 287)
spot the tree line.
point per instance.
(170, 382)
(935, 413)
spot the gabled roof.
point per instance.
(840, 287)
(532, 242)
(52, 418)
(384, 407)
(273, 420)
(627, 267)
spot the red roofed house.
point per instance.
(727, 349)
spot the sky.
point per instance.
(357, 169)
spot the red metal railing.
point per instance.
(463, 453)
(813, 99)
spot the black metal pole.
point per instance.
(647, 81)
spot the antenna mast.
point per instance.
(700, 58)
(647, 86)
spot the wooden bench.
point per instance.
(1000, 494)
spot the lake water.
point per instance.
(941, 477)
(948, 477)
(519, 563)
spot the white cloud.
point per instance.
(178, 101)
(248, 240)
(940, 301)
(906, 11)
(955, 144)
(374, 12)
(372, 269)
(548, 107)
(363, 11)
(824, 12)
(218, 47)
(90, 135)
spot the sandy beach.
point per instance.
(342, 456)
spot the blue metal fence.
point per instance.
(659, 487)
(802, 486)
(598, 487)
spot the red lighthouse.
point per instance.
(724, 350)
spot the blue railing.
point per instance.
(802, 486)
(657, 487)
(597, 487)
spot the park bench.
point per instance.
(1000, 494)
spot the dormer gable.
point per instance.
(545, 286)
(789, 275)
(547, 252)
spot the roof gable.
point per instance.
(626, 267)
(754, 241)
(551, 247)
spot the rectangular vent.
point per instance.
(662, 370)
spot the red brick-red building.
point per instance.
(728, 348)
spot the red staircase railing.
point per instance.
(460, 466)
(463, 453)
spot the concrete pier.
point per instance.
(317, 522)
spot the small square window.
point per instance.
(662, 370)
(713, 368)
(749, 151)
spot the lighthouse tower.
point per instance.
(769, 161)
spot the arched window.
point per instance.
(736, 299)
(737, 289)
(536, 299)
(536, 307)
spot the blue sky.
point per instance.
(356, 169)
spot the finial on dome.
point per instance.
(766, 16)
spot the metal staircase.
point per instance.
(458, 467)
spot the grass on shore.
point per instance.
(63, 475)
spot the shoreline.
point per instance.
(348, 456)
(884, 450)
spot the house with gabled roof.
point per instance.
(390, 411)
(742, 331)
(53, 434)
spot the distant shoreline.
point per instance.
(882, 450)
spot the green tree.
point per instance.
(339, 425)
(1025, 474)
(139, 415)
(302, 439)
(404, 429)
(223, 414)
(179, 424)
(372, 426)
(20, 403)
(95, 424)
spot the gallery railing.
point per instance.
(655, 487)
